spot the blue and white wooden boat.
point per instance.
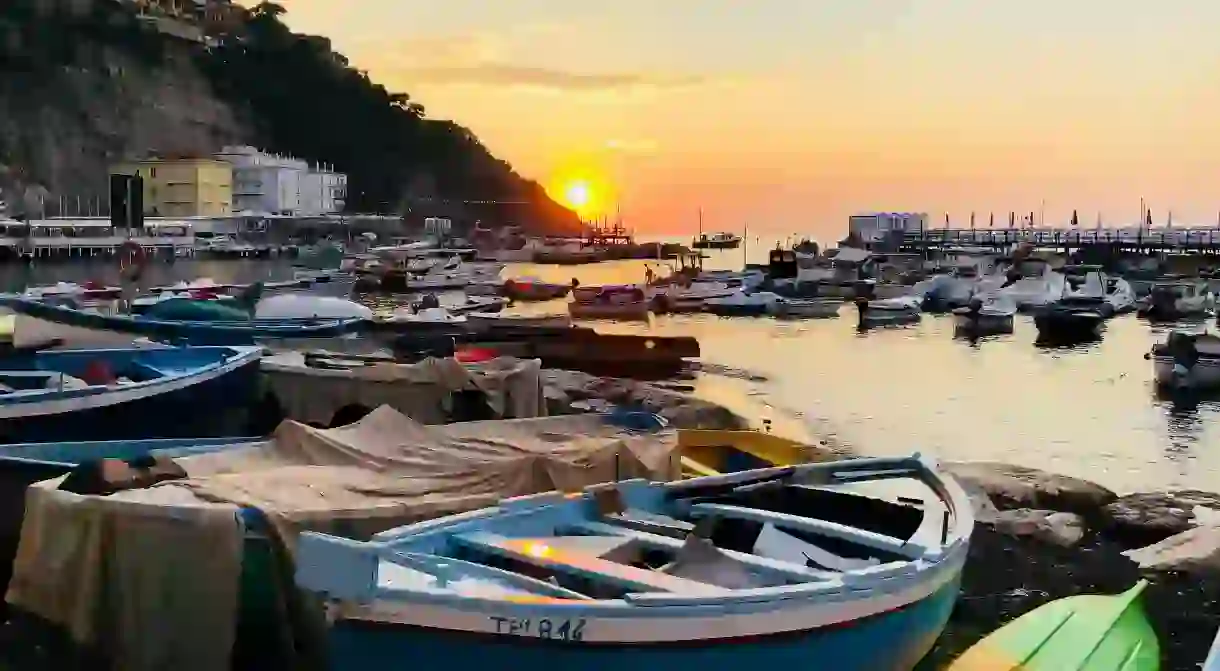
(124, 393)
(794, 567)
(40, 321)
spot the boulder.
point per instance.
(1059, 528)
(1150, 517)
(1196, 550)
(1013, 487)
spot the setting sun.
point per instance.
(577, 195)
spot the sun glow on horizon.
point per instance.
(582, 195)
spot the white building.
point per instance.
(877, 225)
(276, 184)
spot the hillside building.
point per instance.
(183, 187)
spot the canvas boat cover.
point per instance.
(152, 575)
(423, 390)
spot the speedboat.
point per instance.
(1120, 295)
(889, 312)
(1187, 361)
(986, 315)
(1071, 317)
(613, 303)
(534, 289)
(787, 565)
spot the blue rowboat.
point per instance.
(46, 322)
(124, 393)
(797, 566)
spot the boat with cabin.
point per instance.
(775, 566)
(126, 393)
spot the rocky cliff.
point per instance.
(85, 83)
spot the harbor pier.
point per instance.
(1134, 239)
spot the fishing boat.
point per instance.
(798, 308)
(1187, 361)
(41, 322)
(889, 312)
(717, 241)
(772, 567)
(123, 393)
(986, 315)
(1090, 632)
(717, 451)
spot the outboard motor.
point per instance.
(862, 308)
(1185, 355)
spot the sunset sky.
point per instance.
(789, 115)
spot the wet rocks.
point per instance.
(1013, 487)
(1058, 528)
(1151, 517)
(1196, 550)
(568, 392)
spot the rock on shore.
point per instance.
(1043, 536)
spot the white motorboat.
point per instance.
(889, 312)
(1120, 295)
(1170, 301)
(797, 308)
(1187, 361)
(1033, 284)
(986, 315)
(309, 306)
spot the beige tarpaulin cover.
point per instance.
(420, 390)
(152, 574)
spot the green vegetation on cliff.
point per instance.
(84, 83)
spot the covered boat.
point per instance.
(124, 393)
(889, 312)
(986, 315)
(40, 322)
(613, 303)
(742, 304)
(1182, 299)
(798, 308)
(776, 567)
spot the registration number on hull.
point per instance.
(572, 629)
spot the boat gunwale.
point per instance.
(38, 309)
(939, 564)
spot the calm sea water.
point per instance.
(1089, 411)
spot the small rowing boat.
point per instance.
(1090, 632)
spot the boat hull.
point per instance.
(207, 404)
(740, 310)
(1070, 325)
(1204, 374)
(983, 323)
(632, 311)
(891, 641)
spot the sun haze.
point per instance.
(790, 115)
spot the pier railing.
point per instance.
(1193, 239)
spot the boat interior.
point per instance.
(75, 369)
(823, 525)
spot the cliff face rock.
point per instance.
(87, 83)
(82, 90)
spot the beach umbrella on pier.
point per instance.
(1012, 219)
(972, 221)
(991, 221)
(1075, 219)
(1148, 218)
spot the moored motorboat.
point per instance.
(1070, 318)
(1187, 361)
(888, 312)
(722, 240)
(613, 303)
(534, 289)
(124, 393)
(785, 565)
(742, 304)
(1033, 284)
(1182, 299)
(796, 308)
(1088, 632)
(986, 316)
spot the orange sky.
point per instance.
(789, 115)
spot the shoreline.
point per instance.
(1039, 536)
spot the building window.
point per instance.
(152, 173)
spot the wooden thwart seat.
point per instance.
(788, 570)
(814, 526)
(536, 552)
(642, 520)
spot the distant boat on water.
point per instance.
(718, 241)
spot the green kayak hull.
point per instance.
(1080, 633)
